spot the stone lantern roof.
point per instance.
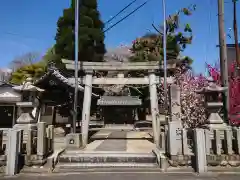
(212, 87)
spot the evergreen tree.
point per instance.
(91, 36)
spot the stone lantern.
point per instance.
(28, 107)
(212, 104)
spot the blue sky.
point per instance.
(30, 26)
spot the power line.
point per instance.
(112, 18)
(21, 36)
(120, 12)
(125, 17)
(209, 29)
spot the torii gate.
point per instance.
(152, 80)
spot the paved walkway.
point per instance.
(118, 140)
(106, 140)
(132, 142)
(128, 176)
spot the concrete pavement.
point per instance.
(128, 176)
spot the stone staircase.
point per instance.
(71, 161)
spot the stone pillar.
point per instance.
(175, 124)
(174, 138)
(86, 107)
(50, 139)
(154, 106)
(54, 115)
(29, 146)
(14, 116)
(200, 149)
(175, 104)
(38, 113)
(41, 140)
(13, 152)
(136, 115)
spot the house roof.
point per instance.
(231, 45)
(119, 101)
(6, 84)
(57, 74)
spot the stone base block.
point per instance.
(73, 141)
(25, 127)
(222, 126)
(35, 160)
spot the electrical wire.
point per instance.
(209, 31)
(125, 17)
(21, 36)
(210, 23)
(122, 10)
(108, 21)
(109, 28)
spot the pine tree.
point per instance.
(91, 36)
(34, 71)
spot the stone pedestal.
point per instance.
(214, 119)
(26, 120)
(73, 141)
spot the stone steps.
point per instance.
(77, 160)
(110, 168)
(107, 157)
(76, 167)
(99, 165)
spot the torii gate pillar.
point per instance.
(154, 106)
(86, 107)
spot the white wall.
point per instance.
(231, 54)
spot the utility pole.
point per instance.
(223, 57)
(165, 53)
(235, 28)
(76, 67)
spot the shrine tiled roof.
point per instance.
(119, 101)
(8, 94)
(57, 74)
